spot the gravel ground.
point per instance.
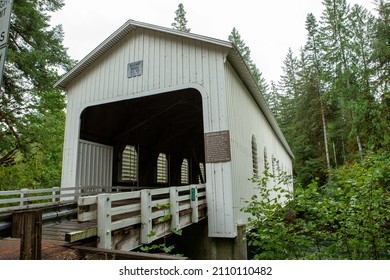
(51, 250)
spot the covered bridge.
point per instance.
(152, 107)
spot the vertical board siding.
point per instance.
(246, 120)
(221, 209)
(71, 136)
(94, 164)
(169, 63)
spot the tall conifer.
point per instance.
(31, 111)
(181, 21)
(245, 53)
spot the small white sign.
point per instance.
(5, 15)
(135, 69)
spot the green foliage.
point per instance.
(245, 53)
(32, 113)
(332, 101)
(180, 22)
(347, 218)
(381, 43)
(162, 247)
(158, 248)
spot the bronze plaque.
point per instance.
(217, 146)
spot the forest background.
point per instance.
(332, 103)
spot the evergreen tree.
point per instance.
(289, 80)
(337, 45)
(381, 44)
(301, 117)
(245, 53)
(381, 56)
(333, 90)
(273, 99)
(310, 125)
(242, 48)
(347, 37)
(314, 57)
(180, 22)
(365, 105)
(288, 95)
(30, 109)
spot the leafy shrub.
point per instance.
(347, 218)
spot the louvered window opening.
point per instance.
(162, 169)
(255, 162)
(202, 176)
(185, 172)
(129, 168)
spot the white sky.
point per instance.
(268, 27)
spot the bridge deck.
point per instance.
(120, 220)
(59, 231)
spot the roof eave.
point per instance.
(246, 77)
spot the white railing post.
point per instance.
(78, 192)
(55, 193)
(23, 193)
(174, 208)
(146, 213)
(104, 221)
(194, 204)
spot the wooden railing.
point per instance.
(152, 213)
(29, 198)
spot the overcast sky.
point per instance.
(268, 27)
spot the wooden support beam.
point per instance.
(80, 234)
(27, 226)
(158, 114)
(123, 255)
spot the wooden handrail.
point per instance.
(155, 211)
(28, 198)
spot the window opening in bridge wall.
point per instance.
(265, 159)
(162, 169)
(255, 162)
(202, 173)
(185, 172)
(275, 168)
(128, 165)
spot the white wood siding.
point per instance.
(94, 165)
(169, 63)
(246, 120)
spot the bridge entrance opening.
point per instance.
(157, 140)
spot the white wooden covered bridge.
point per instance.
(163, 114)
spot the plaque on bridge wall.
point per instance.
(217, 146)
(135, 69)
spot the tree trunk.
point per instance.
(325, 137)
(359, 143)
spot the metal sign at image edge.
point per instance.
(2, 62)
(5, 15)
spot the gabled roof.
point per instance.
(233, 57)
(117, 36)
